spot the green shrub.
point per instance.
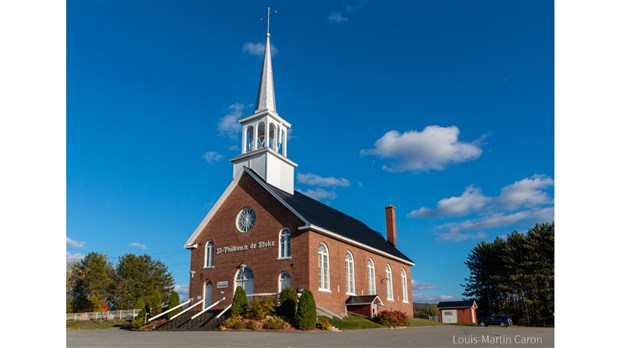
(240, 302)
(274, 323)
(174, 301)
(252, 325)
(156, 304)
(234, 322)
(392, 318)
(305, 318)
(259, 309)
(138, 321)
(288, 304)
(323, 323)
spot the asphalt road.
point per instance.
(445, 336)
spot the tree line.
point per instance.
(95, 284)
(514, 276)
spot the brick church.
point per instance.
(263, 235)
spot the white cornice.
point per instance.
(263, 113)
(261, 151)
(353, 242)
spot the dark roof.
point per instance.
(360, 300)
(324, 216)
(456, 304)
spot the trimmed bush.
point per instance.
(305, 318)
(235, 322)
(240, 302)
(259, 309)
(138, 321)
(324, 323)
(156, 304)
(174, 301)
(288, 304)
(392, 318)
(274, 323)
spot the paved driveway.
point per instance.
(446, 336)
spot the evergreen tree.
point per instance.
(156, 304)
(91, 282)
(305, 318)
(240, 302)
(288, 303)
(141, 277)
(174, 301)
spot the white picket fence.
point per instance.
(109, 315)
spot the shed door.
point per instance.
(448, 316)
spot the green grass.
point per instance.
(351, 323)
(97, 324)
(424, 322)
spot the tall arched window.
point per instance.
(209, 254)
(285, 281)
(323, 267)
(245, 279)
(403, 279)
(372, 289)
(388, 281)
(285, 243)
(349, 271)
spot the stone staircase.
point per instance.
(206, 322)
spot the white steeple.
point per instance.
(265, 133)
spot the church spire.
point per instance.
(266, 99)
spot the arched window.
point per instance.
(388, 281)
(323, 267)
(285, 243)
(403, 279)
(372, 289)
(349, 272)
(245, 279)
(262, 140)
(208, 295)
(209, 254)
(285, 281)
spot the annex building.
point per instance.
(263, 235)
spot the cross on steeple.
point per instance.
(268, 16)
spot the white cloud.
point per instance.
(491, 221)
(421, 286)
(229, 124)
(75, 244)
(337, 17)
(320, 194)
(434, 148)
(471, 200)
(526, 193)
(73, 258)
(182, 290)
(138, 245)
(212, 157)
(316, 180)
(424, 298)
(257, 48)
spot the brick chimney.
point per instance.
(390, 223)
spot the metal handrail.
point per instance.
(188, 308)
(170, 310)
(206, 309)
(224, 311)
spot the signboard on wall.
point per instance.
(223, 284)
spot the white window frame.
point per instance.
(349, 271)
(388, 282)
(209, 251)
(323, 257)
(372, 283)
(403, 279)
(286, 247)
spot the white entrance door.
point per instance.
(448, 316)
(245, 279)
(208, 294)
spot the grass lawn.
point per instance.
(424, 322)
(97, 324)
(351, 323)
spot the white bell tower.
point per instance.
(265, 134)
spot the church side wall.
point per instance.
(271, 217)
(334, 300)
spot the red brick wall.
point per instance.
(360, 309)
(271, 217)
(463, 315)
(335, 298)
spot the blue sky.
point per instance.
(442, 109)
